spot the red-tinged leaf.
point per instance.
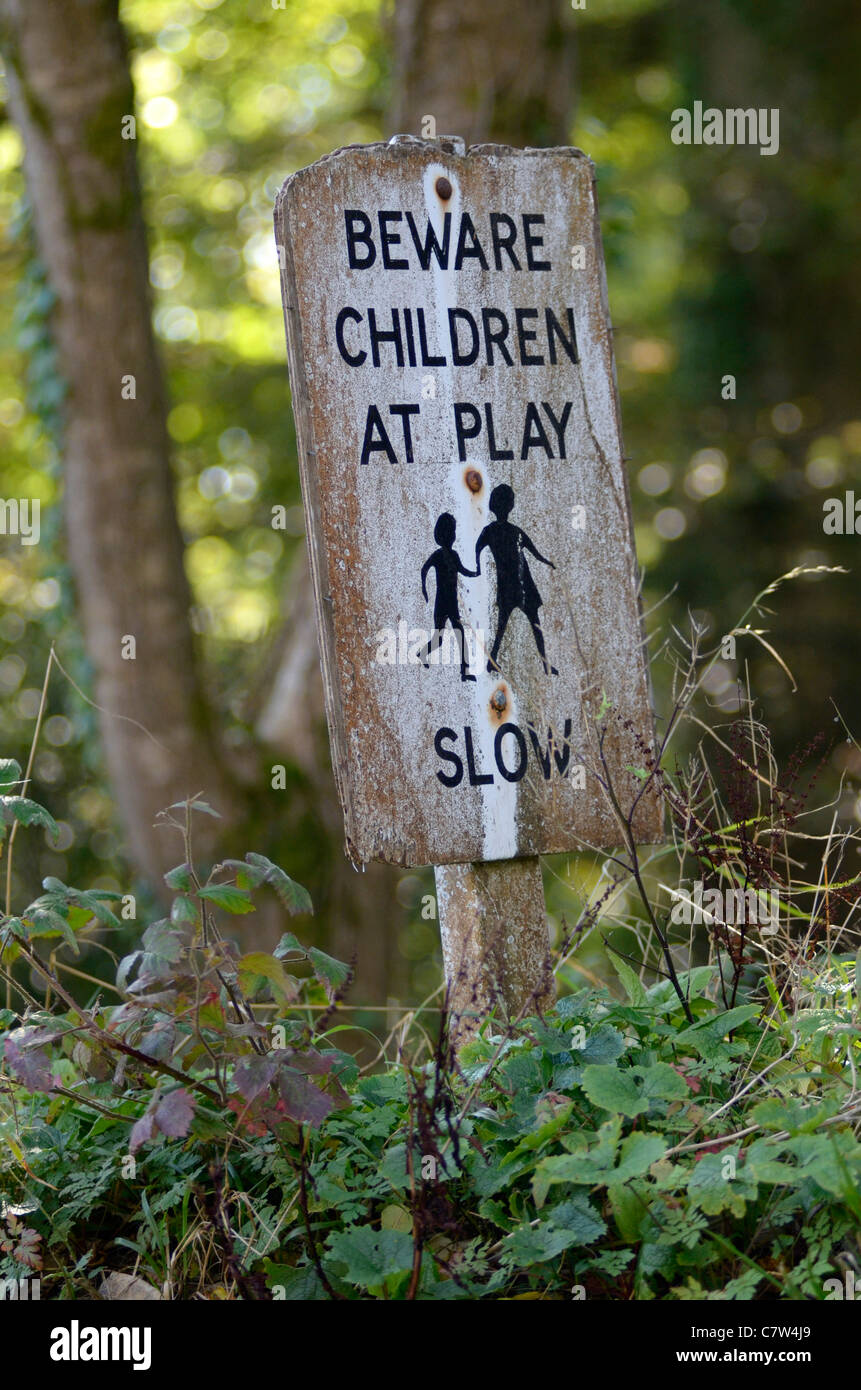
(303, 1102)
(174, 1114)
(29, 1065)
(310, 1061)
(254, 1076)
(142, 1131)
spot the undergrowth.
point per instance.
(688, 1131)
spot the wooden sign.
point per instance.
(466, 503)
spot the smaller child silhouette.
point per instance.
(448, 565)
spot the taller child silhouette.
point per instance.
(515, 587)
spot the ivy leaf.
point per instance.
(224, 895)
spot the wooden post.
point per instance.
(475, 582)
(493, 924)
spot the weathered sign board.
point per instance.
(467, 512)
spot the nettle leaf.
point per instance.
(179, 879)
(95, 902)
(573, 1222)
(10, 773)
(46, 922)
(183, 909)
(226, 896)
(293, 896)
(257, 968)
(791, 1114)
(301, 1283)
(331, 973)
(370, 1257)
(614, 1090)
(289, 943)
(26, 812)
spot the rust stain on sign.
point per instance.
(466, 502)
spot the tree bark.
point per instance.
(488, 72)
(69, 90)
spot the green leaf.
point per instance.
(662, 1082)
(369, 1257)
(194, 806)
(628, 1210)
(26, 812)
(179, 879)
(637, 1154)
(10, 773)
(224, 895)
(573, 1222)
(631, 981)
(614, 1090)
(293, 896)
(718, 1184)
(331, 973)
(289, 1284)
(257, 967)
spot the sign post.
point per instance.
(468, 527)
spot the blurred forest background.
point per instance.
(156, 512)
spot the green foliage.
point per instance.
(608, 1148)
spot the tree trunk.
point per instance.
(487, 72)
(69, 91)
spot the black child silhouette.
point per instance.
(515, 587)
(448, 565)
